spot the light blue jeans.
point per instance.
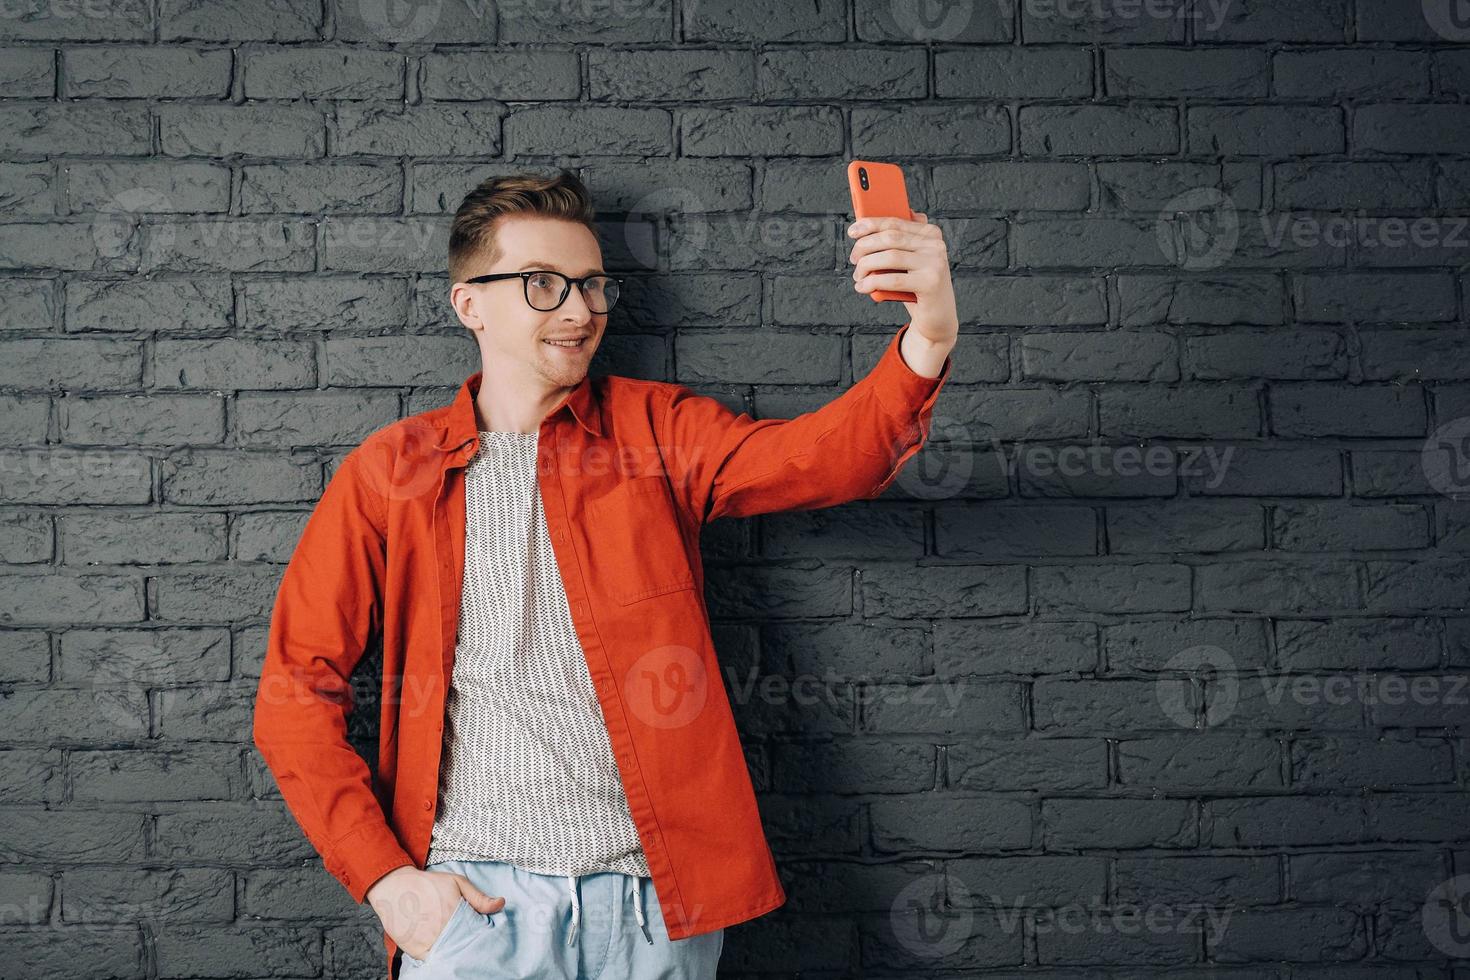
(568, 927)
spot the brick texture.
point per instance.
(1151, 665)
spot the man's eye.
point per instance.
(541, 282)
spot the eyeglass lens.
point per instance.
(546, 290)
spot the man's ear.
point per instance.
(462, 298)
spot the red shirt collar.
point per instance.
(462, 426)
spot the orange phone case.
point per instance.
(885, 197)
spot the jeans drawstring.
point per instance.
(642, 917)
(638, 907)
(576, 909)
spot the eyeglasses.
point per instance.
(546, 290)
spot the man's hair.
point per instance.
(472, 236)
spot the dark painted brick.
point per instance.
(1102, 130)
(1308, 21)
(1012, 73)
(1090, 649)
(1162, 73)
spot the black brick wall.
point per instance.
(1150, 665)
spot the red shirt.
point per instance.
(629, 471)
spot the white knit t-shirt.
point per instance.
(528, 775)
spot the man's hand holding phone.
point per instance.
(910, 256)
(415, 906)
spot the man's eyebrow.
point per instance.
(543, 264)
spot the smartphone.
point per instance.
(878, 191)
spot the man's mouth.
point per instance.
(578, 342)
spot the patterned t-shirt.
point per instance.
(528, 775)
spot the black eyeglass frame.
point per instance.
(566, 291)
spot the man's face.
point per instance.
(513, 333)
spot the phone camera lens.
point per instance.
(863, 177)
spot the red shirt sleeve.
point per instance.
(852, 448)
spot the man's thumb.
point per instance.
(478, 900)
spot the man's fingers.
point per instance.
(863, 226)
(888, 259)
(893, 239)
(897, 281)
(478, 900)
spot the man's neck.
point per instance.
(511, 405)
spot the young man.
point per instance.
(556, 747)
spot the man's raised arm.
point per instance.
(724, 465)
(852, 448)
